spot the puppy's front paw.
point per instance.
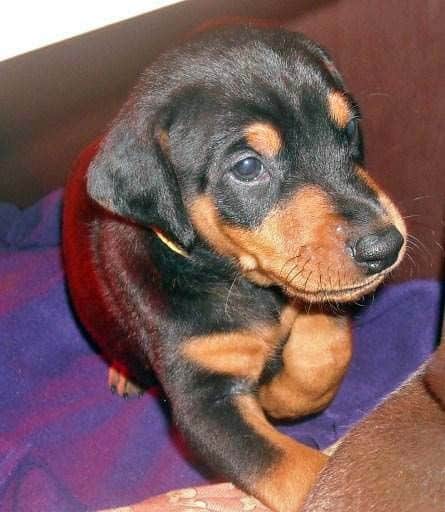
(120, 384)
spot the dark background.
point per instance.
(55, 100)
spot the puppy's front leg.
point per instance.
(315, 359)
(212, 392)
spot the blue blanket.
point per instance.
(66, 443)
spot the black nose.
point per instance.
(378, 251)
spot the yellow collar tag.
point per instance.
(169, 243)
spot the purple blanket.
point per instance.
(66, 443)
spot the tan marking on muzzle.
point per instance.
(300, 245)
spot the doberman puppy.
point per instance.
(206, 232)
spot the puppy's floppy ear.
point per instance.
(132, 177)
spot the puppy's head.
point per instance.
(247, 139)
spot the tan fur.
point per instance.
(315, 359)
(285, 485)
(299, 246)
(339, 108)
(264, 138)
(239, 353)
(164, 142)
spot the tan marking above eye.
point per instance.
(164, 141)
(264, 138)
(339, 108)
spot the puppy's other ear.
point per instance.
(132, 177)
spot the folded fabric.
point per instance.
(68, 444)
(211, 498)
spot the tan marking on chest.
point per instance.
(241, 353)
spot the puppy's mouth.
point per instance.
(320, 294)
(346, 294)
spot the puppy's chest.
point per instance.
(223, 305)
(236, 328)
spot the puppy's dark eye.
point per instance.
(248, 169)
(351, 129)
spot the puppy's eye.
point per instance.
(248, 169)
(351, 129)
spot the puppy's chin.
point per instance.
(341, 295)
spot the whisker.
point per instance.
(300, 272)
(286, 280)
(413, 199)
(414, 215)
(420, 198)
(330, 277)
(418, 244)
(289, 261)
(413, 264)
(308, 307)
(308, 277)
(296, 257)
(226, 306)
(411, 246)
